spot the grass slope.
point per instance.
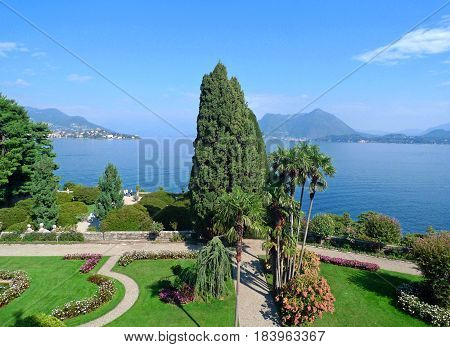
(151, 312)
(365, 299)
(53, 282)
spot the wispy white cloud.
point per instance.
(446, 61)
(38, 54)
(445, 84)
(418, 43)
(262, 103)
(78, 78)
(8, 47)
(17, 83)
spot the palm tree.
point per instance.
(321, 166)
(238, 211)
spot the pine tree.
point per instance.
(43, 187)
(229, 149)
(22, 143)
(111, 197)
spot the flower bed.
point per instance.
(350, 263)
(105, 293)
(92, 260)
(18, 283)
(181, 296)
(409, 301)
(128, 257)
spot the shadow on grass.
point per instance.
(382, 284)
(179, 274)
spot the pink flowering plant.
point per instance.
(92, 260)
(18, 283)
(177, 296)
(350, 263)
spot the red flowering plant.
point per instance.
(306, 296)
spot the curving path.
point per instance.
(130, 297)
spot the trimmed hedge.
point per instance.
(127, 218)
(64, 198)
(12, 215)
(85, 194)
(19, 227)
(11, 237)
(36, 236)
(128, 257)
(40, 320)
(71, 236)
(25, 204)
(71, 212)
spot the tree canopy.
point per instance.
(22, 143)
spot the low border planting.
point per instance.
(92, 260)
(350, 263)
(408, 300)
(19, 282)
(128, 257)
(105, 293)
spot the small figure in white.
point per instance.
(53, 228)
(29, 228)
(42, 229)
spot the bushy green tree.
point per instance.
(323, 225)
(22, 143)
(380, 227)
(229, 149)
(44, 186)
(111, 197)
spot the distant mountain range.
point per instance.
(321, 125)
(63, 125)
(312, 125)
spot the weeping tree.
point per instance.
(238, 211)
(213, 270)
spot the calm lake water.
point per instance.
(408, 182)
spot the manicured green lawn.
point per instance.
(151, 312)
(53, 282)
(364, 299)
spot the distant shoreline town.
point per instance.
(99, 134)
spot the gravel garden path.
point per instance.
(130, 297)
(256, 309)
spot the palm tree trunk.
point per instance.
(298, 229)
(306, 229)
(240, 233)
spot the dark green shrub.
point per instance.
(21, 226)
(40, 320)
(69, 185)
(432, 255)
(63, 198)
(31, 237)
(213, 270)
(323, 225)
(127, 218)
(172, 215)
(71, 212)
(12, 215)
(380, 227)
(10, 237)
(154, 202)
(85, 194)
(71, 236)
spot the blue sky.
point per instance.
(284, 53)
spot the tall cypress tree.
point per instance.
(110, 197)
(229, 149)
(43, 187)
